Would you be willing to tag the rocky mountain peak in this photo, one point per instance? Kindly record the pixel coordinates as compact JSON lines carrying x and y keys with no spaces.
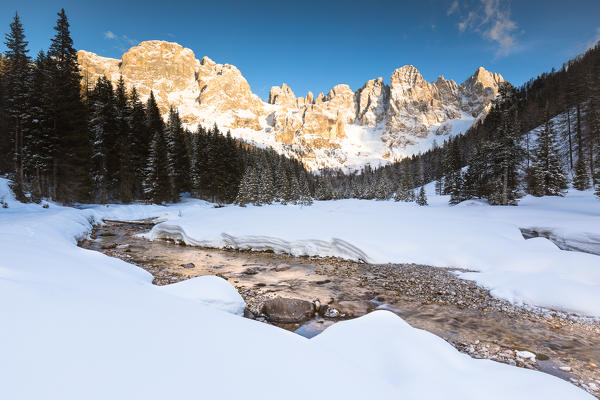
{"x":408,"y":76}
{"x":389,"y":119}
{"x":283,"y":96}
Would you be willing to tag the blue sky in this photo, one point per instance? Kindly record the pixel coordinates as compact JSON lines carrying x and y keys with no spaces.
{"x":313,"y":45}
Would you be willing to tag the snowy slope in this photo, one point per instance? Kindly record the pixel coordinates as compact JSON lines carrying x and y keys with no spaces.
{"x":78,"y":324}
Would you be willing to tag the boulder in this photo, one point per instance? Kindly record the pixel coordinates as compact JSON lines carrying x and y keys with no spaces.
{"x":281,"y":309}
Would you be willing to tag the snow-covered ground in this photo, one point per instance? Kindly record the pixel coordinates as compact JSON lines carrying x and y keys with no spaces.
{"x":471,"y":235}
{"x":78,"y":324}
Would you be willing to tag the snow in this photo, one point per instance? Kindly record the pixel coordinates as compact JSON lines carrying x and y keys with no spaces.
{"x":209,"y":290}
{"x":525,"y":354}
{"x":471,"y":235}
{"x":79,"y":324}
{"x":438,"y":133}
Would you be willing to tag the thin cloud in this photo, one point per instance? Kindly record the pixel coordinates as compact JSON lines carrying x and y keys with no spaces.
{"x":121,"y":42}
{"x":492,"y":22}
{"x":453,"y":8}
{"x":129,"y":40}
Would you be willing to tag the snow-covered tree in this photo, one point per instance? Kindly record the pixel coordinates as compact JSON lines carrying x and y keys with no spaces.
{"x":549,"y":178}
{"x":421,"y":197}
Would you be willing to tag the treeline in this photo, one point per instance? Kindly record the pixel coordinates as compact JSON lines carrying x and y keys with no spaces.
{"x":103,"y":144}
{"x":499,"y":159}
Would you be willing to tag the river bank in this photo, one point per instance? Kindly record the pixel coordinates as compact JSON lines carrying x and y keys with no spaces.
{"x":434,"y":299}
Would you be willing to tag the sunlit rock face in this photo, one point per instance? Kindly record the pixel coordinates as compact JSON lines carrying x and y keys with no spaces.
{"x":343,"y":127}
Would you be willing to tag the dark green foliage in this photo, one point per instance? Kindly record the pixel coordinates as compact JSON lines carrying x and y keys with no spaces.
{"x":547,"y":175}
{"x":421,"y":197}
{"x":71,"y":179}
{"x":17,"y":91}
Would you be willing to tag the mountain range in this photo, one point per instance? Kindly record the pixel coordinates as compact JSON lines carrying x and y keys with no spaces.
{"x":344,"y":129}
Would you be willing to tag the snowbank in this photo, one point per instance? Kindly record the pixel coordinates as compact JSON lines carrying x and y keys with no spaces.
{"x":79,"y":324}
{"x":471,"y":235}
{"x":211,"y":291}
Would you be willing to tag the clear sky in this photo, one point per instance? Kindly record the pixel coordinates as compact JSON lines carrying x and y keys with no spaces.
{"x":313,"y":45}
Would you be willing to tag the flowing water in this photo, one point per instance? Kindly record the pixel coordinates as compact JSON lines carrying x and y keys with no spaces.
{"x":429,"y":298}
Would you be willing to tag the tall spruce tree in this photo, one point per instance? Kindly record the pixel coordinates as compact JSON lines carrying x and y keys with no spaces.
{"x":506,"y":151}
{"x":104,"y":131}
{"x":548,"y":174}
{"x":125,"y":143}
{"x":179,"y":162}
{"x":17,"y":81}
{"x":37,"y":144}
{"x":5,"y":137}
{"x":158,"y":179}
{"x":421,"y":197}
{"x":71,"y":178}
{"x":141,"y":137}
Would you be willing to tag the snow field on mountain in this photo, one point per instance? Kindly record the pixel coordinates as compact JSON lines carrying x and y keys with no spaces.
{"x":471,"y":235}
{"x":79,"y":324}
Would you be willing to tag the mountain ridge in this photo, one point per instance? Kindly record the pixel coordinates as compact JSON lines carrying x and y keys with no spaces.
{"x":374,"y":124}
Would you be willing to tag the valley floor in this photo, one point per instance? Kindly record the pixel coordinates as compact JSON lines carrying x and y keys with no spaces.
{"x":80,"y":324}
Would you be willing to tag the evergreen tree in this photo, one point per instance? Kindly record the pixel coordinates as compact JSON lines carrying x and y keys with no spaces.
{"x":158,"y":178}
{"x":581,"y":178}
{"x":125,"y":141}
{"x":249,"y":189}
{"x":5,"y":137}
{"x":17,"y":81}
{"x":305,"y":198}
{"x":282,"y":186}
{"x":506,"y":152}
{"x":71,"y":179}
{"x":421,"y":197}
{"x":38,"y":145}
{"x":141,"y":137}
{"x":103,"y":127}
{"x":179,"y":161}
{"x":548,"y":174}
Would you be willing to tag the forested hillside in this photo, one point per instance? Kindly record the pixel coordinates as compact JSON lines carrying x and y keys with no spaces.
{"x":537,"y":139}
{"x":103,"y":144}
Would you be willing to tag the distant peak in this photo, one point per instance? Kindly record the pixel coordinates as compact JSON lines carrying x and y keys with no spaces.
{"x":486,"y":77}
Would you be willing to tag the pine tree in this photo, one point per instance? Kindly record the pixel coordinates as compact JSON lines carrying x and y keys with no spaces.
{"x":505,"y":151}
{"x":71,"y":178}
{"x":548,"y":174}
{"x":37,"y":144}
{"x":266,"y":187}
{"x":5,"y":136}
{"x":383,"y":189}
{"x":282,"y":186}
{"x":104,"y":130}
{"x":179,"y":162}
{"x":158,"y":179}
{"x":421,"y":197}
{"x":245,"y":191}
{"x":125,"y":141}
{"x":581,"y":178}
{"x":452,"y":177}
{"x":17,"y":81}
{"x":141,"y":137}
{"x":323,"y":190}
{"x":200,"y":163}
{"x":305,"y":198}
{"x":293,"y":194}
